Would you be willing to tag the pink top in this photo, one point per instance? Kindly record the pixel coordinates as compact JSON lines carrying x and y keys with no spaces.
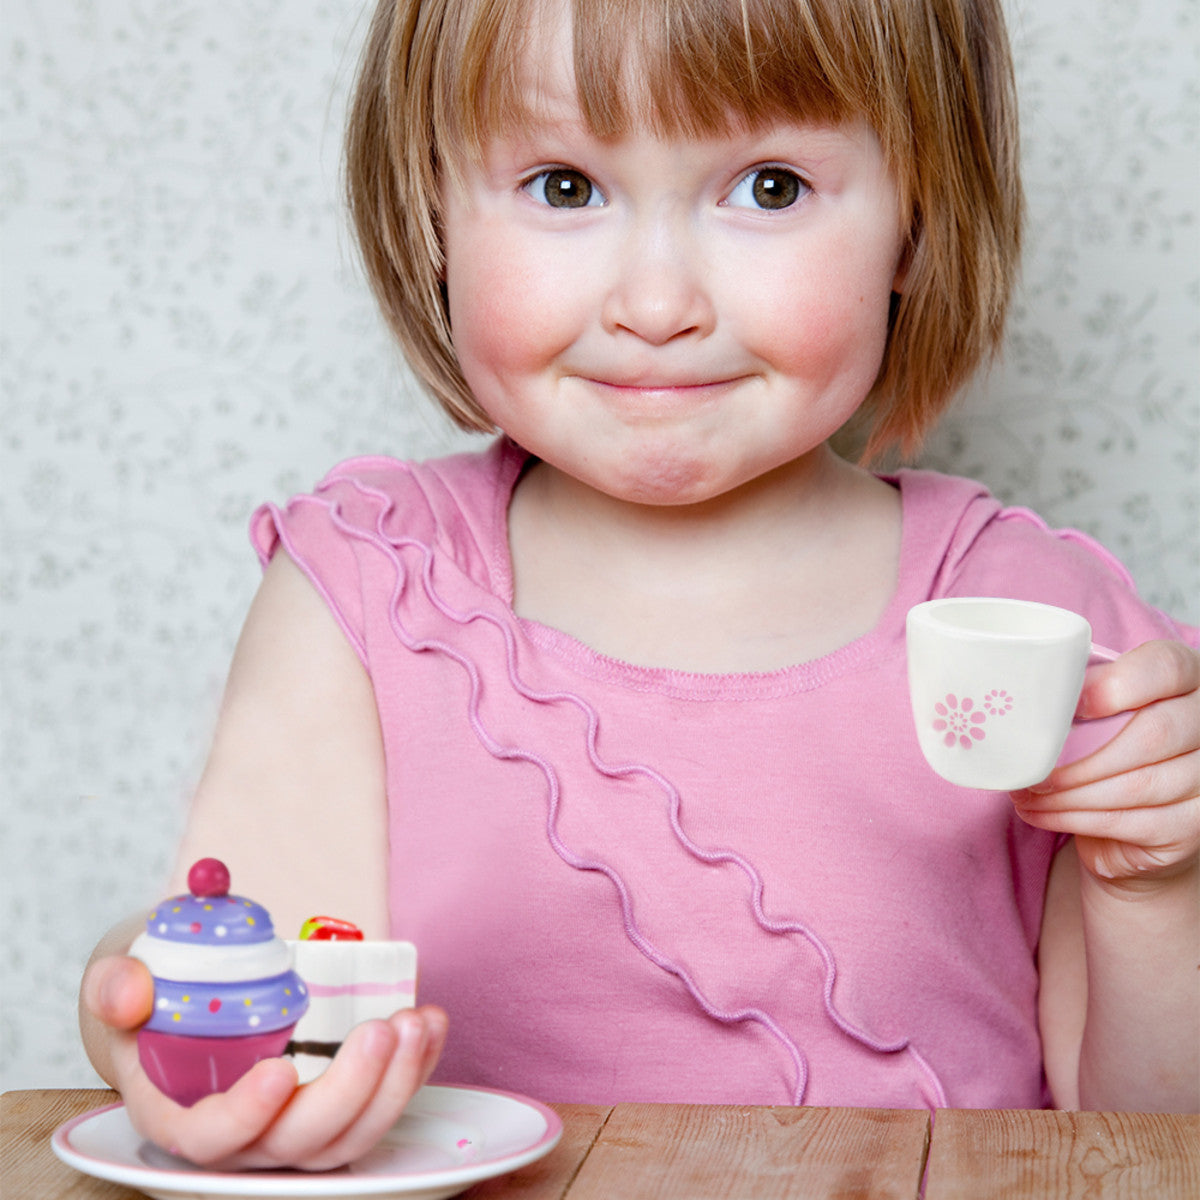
{"x":642,"y":884}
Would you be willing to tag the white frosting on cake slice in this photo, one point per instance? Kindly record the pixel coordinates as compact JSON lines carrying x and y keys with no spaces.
{"x":348,"y":982}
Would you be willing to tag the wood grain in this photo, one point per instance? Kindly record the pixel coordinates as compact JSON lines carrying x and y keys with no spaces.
{"x":1024,"y":1155}
{"x":649,"y":1151}
{"x":29,"y":1169}
{"x":551,"y":1177}
{"x":694,"y":1152}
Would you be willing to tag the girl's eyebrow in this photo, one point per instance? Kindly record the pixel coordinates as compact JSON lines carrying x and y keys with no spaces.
{"x":539,"y":136}
{"x":535,"y":144}
{"x":546,"y":137}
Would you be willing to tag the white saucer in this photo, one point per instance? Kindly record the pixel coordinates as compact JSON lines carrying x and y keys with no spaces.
{"x":449,"y":1138}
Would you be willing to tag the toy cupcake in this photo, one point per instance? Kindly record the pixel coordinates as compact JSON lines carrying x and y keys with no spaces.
{"x":225,"y":994}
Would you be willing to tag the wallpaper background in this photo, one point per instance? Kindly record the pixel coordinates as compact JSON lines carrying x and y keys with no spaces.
{"x":185,"y":334}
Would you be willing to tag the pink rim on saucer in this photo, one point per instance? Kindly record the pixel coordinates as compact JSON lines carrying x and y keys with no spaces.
{"x":440,"y":1104}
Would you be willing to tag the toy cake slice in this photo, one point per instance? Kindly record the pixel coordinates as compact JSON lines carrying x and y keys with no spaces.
{"x":349,"y":980}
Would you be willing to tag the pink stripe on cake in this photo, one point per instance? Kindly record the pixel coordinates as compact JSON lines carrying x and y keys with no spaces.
{"x":321,"y":991}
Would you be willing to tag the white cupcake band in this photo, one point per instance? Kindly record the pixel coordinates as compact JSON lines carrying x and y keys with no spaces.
{"x":208,"y":963}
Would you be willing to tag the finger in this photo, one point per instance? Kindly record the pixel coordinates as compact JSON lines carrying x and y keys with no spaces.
{"x":1124,"y":863}
{"x":1152,"y":671}
{"x":321,"y":1112}
{"x":419,"y":1038}
{"x":439,"y":1027}
{"x":119,"y":991}
{"x":217,"y":1128}
{"x":1157,"y":733}
{"x":1168,"y":834}
{"x":1168,"y":825}
{"x":1154,"y":786}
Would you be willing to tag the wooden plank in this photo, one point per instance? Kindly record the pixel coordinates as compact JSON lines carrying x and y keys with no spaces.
{"x":28,"y":1167}
{"x":1032,"y":1155}
{"x":719,"y":1152}
{"x":550,"y":1178}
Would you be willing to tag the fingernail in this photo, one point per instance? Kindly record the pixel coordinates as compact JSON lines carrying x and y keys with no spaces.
{"x":375,"y":1040}
{"x":412,"y":1035}
{"x":108,"y":991}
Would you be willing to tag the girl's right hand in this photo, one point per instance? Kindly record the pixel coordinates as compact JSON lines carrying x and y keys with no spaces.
{"x":265,"y":1119}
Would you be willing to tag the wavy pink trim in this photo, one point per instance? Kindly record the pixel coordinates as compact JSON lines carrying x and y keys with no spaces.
{"x":390,"y":547}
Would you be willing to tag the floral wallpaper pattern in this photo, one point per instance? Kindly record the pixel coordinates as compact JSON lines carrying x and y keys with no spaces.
{"x":184,"y":333}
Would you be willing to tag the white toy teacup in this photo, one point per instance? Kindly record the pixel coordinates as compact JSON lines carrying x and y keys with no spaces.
{"x":994,"y":684}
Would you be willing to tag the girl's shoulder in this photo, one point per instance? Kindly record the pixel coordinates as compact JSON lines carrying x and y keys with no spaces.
{"x":467,"y":487}
{"x":456,"y":504}
{"x":982,"y":547}
{"x":354,"y":532}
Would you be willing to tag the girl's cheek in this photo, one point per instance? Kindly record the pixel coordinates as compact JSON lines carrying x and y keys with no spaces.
{"x":507,"y":310}
{"x":821,"y":316}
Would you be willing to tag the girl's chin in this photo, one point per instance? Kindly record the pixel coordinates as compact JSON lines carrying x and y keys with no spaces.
{"x":672,"y":478}
{"x":666,"y":482}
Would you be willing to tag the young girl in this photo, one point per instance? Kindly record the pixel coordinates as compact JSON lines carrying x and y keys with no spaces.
{"x":611,"y":719}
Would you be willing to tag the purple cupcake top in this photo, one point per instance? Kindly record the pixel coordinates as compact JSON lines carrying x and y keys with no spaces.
{"x":207,"y":915}
{"x":219,"y":970}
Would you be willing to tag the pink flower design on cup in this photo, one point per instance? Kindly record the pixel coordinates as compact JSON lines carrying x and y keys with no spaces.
{"x":959,"y":721}
{"x":997,"y":702}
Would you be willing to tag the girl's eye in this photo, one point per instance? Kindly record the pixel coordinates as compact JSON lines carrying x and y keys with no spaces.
{"x":770,"y":188}
{"x":564,"y":188}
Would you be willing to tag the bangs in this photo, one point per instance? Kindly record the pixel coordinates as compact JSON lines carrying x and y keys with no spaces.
{"x":677,"y":67}
{"x":932,"y":78}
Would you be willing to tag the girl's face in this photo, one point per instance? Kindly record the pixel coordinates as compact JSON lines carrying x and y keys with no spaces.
{"x":667,"y":320}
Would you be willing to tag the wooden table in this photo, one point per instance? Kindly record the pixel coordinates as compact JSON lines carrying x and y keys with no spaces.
{"x":684,"y":1152}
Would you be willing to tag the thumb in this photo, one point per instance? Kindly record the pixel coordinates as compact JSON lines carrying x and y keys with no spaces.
{"x":119,"y":991}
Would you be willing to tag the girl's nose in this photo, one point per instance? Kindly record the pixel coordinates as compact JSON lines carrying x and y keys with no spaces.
{"x":659,"y":290}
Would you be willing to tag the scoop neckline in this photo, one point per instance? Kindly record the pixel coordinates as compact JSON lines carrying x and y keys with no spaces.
{"x":884,"y":640}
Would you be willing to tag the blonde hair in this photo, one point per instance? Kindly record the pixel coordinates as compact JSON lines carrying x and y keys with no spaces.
{"x":933,"y":78}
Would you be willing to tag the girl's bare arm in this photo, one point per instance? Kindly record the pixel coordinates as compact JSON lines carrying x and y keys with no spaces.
{"x":1120,"y":949}
{"x":293,"y":799}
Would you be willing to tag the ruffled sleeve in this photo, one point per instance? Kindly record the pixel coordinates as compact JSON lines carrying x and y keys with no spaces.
{"x":347,"y":534}
{"x":974,"y":546}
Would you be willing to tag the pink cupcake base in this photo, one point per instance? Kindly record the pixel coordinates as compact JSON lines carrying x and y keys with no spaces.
{"x":189,"y":1068}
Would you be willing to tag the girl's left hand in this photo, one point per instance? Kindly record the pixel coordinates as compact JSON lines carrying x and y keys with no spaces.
{"x":1133,"y":805}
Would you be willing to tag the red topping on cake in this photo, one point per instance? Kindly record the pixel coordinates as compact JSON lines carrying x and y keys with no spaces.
{"x":329,"y":929}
